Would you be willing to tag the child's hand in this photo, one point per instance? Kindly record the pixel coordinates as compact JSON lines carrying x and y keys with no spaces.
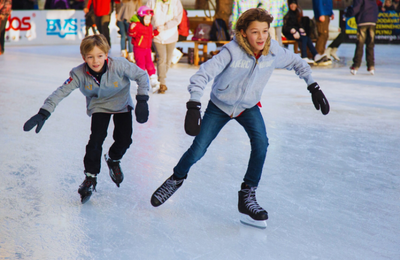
{"x":318,"y":98}
{"x":302,"y":32}
{"x":193,"y":118}
{"x":142,"y":109}
{"x":38,"y":120}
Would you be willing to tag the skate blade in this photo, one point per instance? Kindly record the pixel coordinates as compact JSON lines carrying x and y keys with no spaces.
{"x":247,"y":220}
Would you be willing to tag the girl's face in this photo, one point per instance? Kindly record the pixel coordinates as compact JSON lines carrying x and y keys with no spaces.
{"x":293,"y":6}
{"x":257,"y":35}
{"x":147,"y":20}
{"x":95,"y":59}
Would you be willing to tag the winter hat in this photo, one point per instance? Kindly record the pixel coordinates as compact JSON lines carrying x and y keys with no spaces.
{"x":292,"y":2}
{"x":144,"y":10}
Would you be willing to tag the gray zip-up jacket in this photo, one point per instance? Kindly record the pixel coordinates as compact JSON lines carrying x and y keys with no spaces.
{"x":111,"y":96}
{"x":239,"y":79}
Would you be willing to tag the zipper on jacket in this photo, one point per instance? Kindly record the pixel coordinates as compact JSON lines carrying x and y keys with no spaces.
{"x":252,"y":71}
{"x":140,"y":41}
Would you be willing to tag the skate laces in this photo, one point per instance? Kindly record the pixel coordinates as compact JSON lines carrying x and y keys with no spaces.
{"x":89,"y":182}
{"x":250,"y":200}
{"x":114,"y":165}
{"x":167,"y":189}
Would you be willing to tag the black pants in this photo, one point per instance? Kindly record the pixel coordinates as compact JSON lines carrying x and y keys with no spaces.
{"x":102,"y":23}
{"x":2,"y":33}
{"x":122,"y":139}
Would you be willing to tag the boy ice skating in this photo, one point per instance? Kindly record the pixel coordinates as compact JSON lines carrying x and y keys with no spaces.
{"x":142,"y":35}
{"x":105,"y":82}
{"x":240,"y":72}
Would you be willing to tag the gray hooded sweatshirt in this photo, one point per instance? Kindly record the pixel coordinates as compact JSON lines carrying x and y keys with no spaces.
{"x":113,"y":93}
{"x":239,"y":78}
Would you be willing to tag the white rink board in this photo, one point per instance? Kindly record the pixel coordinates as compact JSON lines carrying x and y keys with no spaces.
{"x":40,"y":27}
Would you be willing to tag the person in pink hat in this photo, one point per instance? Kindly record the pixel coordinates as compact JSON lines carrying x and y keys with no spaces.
{"x":142,"y":34}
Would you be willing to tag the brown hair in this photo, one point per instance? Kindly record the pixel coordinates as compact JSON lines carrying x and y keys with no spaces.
{"x":89,"y":42}
{"x":251,"y":15}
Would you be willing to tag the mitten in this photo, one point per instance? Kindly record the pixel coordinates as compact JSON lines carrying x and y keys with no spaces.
{"x":318,"y":98}
{"x":142,"y":108}
{"x":193,"y":118}
{"x":38,"y":120}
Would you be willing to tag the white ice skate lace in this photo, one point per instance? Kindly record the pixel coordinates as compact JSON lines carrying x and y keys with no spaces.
{"x":167,"y":189}
{"x":251,"y":202}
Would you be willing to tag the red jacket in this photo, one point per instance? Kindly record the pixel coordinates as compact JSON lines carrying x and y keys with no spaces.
{"x":142,"y":36}
{"x":183,"y":27}
{"x":100,"y":7}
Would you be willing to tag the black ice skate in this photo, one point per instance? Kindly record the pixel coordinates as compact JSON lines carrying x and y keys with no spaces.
{"x":87,"y":187}
{"x":252,"y":213}
{"x":115,"y":170}
{"x":165,"y":191}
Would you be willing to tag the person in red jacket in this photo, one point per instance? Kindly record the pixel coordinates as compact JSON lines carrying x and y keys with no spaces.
{"x":102,"y":10}
{"x":183,"y":27}
{"x":142,"y":35}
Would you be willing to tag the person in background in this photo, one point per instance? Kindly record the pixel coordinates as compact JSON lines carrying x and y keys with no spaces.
{"x":90,"y":20}
{"x":278,"y":9}
{"x":183,"y":27}
{"x":323,"y":12}
{"x":167,"y":17}
{"x":23,"y":4}
{"x":141,"y":33}
{"x":366,"y":14}
{"x":106,"y":83}
{"x":5,"y":11}
{"x":241,"y":6}
{"x":102,"y":10}
{"x":388,"y":6}
{"x":293,"y":29}
{"x":396,"y":5}
{"x":127,"y":9}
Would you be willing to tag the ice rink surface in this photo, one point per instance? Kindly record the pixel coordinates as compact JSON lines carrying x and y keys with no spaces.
{"x":331,"y":184}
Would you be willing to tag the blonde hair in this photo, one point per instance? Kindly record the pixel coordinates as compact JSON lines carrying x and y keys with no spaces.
{"x":89,"y":42}
{"x":251,"y":15}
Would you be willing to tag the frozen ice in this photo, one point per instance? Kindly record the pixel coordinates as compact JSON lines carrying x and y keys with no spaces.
{"x":331,"y":184}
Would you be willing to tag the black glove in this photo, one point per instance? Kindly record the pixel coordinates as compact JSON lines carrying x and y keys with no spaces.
{"x":142,"y":108}
{"x":193,"y":118}
{"x":38,"y":120}
{"x":318,"y":98}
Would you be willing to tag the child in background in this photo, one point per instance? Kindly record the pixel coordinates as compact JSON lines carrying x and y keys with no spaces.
{"x":105,"y":82}
{"x":142,"y":35}
{"x":240,"y":72}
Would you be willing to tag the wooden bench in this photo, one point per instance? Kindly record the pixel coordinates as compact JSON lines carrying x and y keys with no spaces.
{"x":203,"y":45}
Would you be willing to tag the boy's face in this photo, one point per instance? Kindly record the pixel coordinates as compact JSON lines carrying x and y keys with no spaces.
{"x":147,"y":20}
{"x":95,"y":59}
{"x":257,"y":35}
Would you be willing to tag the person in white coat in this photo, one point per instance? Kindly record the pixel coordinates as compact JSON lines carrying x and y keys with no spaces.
{"x":167,"y":17}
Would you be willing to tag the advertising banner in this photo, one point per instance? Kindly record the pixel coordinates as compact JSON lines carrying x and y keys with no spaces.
{"x":387,"y":28}
{"x":40,"y":27}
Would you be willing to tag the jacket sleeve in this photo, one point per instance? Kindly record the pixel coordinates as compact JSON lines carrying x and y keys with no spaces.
{"x":207,"y":72}
{"x":286,"y":59}
{"x":62,"y":92}
{"x":133,"y":72}
{"x":354,"y":9}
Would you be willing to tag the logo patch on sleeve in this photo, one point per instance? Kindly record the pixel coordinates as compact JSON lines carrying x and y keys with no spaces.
{"x":69,"y":80}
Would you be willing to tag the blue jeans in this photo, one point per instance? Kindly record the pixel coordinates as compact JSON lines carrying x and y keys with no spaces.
{"x":123,"y":29}
{"x":307,"y":43}
{"x":213,"y":121}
